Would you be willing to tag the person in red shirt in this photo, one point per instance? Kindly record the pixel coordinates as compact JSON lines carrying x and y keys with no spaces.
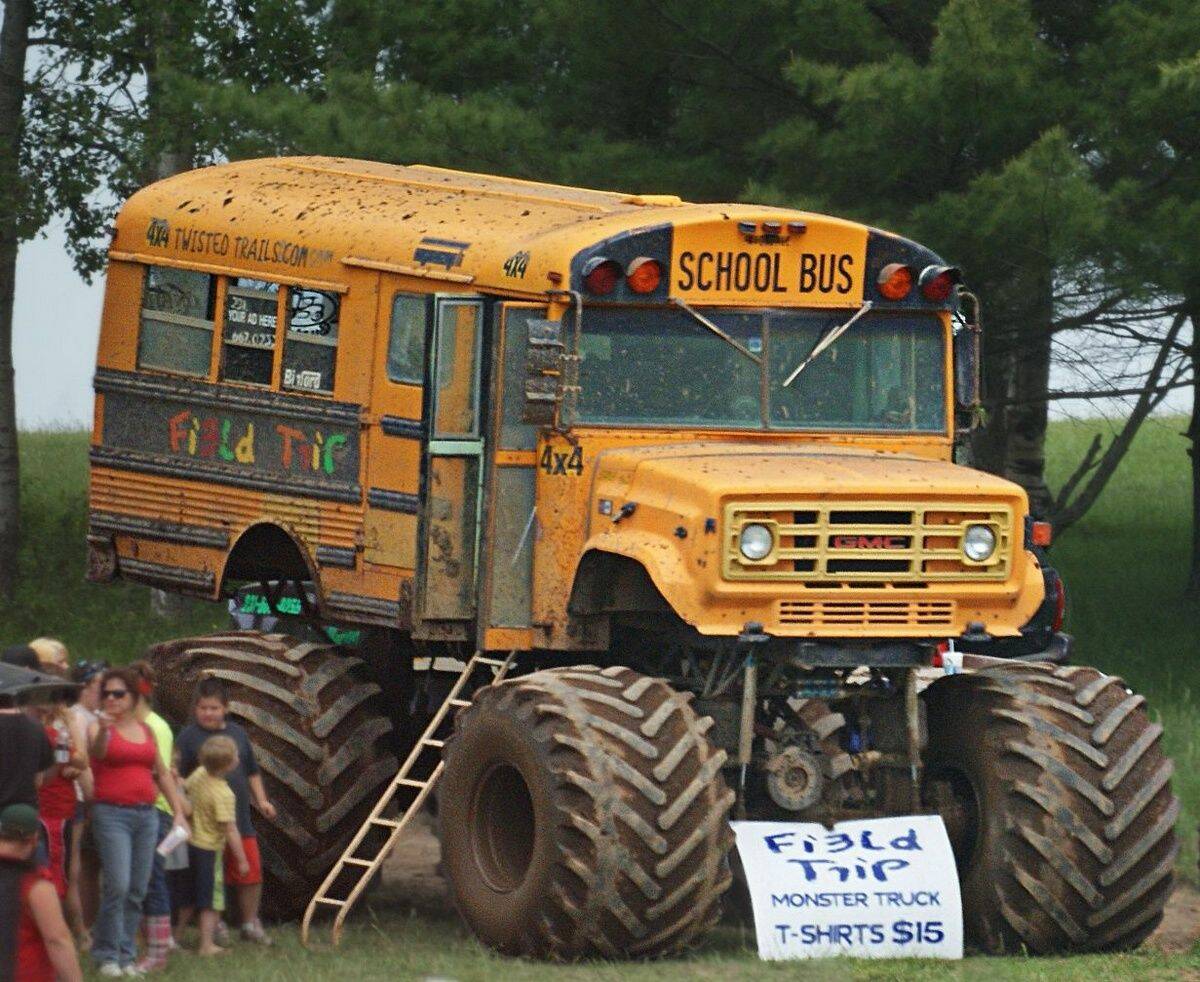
{"x":35,"y":943}
{"x":56,"y":795}
{"x":126,"y":770}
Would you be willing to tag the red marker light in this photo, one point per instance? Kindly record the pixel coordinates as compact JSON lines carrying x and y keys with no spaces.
{"x":937,"y":282}
{"x":1041,"y":533}
{"x":600,"y":275}
{"x":895,"y":281}
{"x":1060,"y":605}
{"x":643,"y":275}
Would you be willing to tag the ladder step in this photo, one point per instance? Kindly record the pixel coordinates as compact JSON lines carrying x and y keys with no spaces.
{"x":426,"y":742}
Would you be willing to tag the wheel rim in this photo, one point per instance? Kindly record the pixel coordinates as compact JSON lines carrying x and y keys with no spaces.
{"x":502,"y":828}
{"x":951,"y":793}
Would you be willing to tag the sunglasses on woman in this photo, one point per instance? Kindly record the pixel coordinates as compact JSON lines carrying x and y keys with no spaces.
{"x":115,"y":693}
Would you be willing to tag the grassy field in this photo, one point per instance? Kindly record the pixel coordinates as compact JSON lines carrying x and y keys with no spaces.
{"x":1124,"y":566}
{"x":389,"y":945}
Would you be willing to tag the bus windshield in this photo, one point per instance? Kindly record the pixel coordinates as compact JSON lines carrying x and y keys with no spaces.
{"x":646,"y":367}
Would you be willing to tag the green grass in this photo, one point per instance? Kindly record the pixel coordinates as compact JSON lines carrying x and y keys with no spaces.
{"x":392,"y":942}
{"x":1124,"y":566}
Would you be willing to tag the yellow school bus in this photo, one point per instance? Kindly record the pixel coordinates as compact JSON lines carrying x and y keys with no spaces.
{"x":707,"y":449}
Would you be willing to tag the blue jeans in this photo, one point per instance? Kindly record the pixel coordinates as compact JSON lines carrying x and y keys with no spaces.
{"x":158,"y":897}
{"x":125,"y":839}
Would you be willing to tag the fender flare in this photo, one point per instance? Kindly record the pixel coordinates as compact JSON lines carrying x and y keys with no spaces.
{"x":655,"y":554}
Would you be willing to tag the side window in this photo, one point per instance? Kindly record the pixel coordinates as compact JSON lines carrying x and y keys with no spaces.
{"x":310,"y":344}
{"x":177,"y":321}
{"x":406,"y":340}
{"x":249,"y":334}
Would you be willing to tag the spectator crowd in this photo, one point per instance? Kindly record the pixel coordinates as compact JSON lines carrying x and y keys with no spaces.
{"x":117,"y":835}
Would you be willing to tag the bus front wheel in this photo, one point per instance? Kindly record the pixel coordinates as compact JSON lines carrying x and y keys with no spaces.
{"x":582,"y":813}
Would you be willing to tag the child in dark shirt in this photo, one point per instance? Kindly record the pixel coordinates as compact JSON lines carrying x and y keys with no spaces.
{"x":211,"y":702}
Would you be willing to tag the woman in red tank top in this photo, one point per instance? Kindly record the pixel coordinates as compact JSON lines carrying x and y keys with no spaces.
{"x":128,"y":775}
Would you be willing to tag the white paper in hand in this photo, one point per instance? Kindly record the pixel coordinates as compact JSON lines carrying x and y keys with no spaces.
{"x":879,"y":888}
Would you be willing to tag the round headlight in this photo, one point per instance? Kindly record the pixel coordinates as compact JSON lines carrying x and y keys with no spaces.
{"x":979,"y":542}
{"x":756,"y":542}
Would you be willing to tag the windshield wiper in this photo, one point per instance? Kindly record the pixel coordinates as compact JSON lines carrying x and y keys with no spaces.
{"x":705,"y":322}
{"x":826,"y":341}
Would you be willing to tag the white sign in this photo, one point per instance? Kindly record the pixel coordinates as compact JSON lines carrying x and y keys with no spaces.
{"x":879,"y":888}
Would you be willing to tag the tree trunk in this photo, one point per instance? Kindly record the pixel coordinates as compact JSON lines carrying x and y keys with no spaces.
{"x":1193,"y":581}
{"x":1016,"y":363}
{"x":14,"y":43}
{"x":169,"y":149}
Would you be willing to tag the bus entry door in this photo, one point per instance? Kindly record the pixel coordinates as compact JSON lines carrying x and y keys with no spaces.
{"x":450,"y":510}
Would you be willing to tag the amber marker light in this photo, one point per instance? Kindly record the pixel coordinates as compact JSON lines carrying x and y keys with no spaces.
{"x":643,"y":275}
{"x":1041,"y":533}
{"x":600,"y":275}
{"x":895,"y":281}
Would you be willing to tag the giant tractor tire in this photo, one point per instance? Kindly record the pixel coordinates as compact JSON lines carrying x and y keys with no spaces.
{"x":1057,"y":798}
{"x":582,"y":813}
{"x":321,"y":735}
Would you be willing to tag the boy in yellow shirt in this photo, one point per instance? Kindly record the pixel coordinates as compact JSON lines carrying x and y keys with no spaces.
{"x":214,"y":826}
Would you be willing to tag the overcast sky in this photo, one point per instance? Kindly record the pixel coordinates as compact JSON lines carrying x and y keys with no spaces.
{"x":57,"y":321}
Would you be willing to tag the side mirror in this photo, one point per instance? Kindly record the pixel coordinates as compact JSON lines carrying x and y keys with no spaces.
{"x":966,"y":367}
{"x":967,"y":360}
{"x":543,"y":371}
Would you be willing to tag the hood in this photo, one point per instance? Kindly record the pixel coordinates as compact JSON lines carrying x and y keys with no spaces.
{"x":816,"y":469}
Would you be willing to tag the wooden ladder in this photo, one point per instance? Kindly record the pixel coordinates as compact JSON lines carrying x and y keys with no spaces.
{"x":358,"y":868}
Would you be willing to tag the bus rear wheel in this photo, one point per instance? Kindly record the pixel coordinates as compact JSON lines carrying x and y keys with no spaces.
{"x":1057,"y":798}
{"x":320,"y":734}
{"x":582,"y":813}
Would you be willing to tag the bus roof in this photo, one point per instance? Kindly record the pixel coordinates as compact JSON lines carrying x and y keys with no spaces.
{"x":297,"y":218}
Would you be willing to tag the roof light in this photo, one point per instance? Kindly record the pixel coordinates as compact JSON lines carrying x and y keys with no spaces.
{"x":772,"y":228}
{"x":895,"y":281}
{"x":600,"y":275}
{"x":937,"y":282}
{"x":796,"y":228}
{"x":747,"y":228}
{"x":643,"y":274}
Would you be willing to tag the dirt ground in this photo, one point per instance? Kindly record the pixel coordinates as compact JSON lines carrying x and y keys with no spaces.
{"x":411,"y":873}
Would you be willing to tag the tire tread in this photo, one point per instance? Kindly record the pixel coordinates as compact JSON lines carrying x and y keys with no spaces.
{"x":1082,"y":820}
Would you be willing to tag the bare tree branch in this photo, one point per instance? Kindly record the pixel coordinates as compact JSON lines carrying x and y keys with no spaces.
{"x":1067,"y":512}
